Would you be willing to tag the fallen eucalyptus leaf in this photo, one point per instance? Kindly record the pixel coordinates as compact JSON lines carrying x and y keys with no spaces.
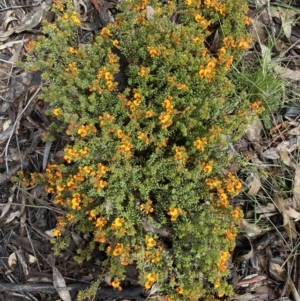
{"x":254,"y":129}
{"x":296,"y":189}
{"x":285,"y":208}
{"x":12,"y":262}
{"x":284,"y":155}
{"x":255,"y":185}
{"x":60,"y":285}
{"x":30,"y":22}
{"x":271,"y":153}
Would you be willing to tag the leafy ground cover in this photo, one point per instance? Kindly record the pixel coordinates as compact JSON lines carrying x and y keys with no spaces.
{"x":145,"y":224}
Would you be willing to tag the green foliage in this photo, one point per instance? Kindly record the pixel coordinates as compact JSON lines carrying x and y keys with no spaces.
{"x":144,"y":169}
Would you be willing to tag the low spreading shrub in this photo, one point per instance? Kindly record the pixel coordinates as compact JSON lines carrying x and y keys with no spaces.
{"x":149,"y":112}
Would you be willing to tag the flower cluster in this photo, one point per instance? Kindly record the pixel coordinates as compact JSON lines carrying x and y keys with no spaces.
{"x":256,"y":107}
{"x":73,"y":17}
{"x":72,"y":68}
{"x":207,"y":70}
{"x":151,"y":278}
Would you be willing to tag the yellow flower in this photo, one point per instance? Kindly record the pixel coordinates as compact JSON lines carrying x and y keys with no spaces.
{"x":140,"y":135}
{"x":170,"y":79}
{"x":153,"y":51}
{"x":148,"y":285}
{"x":199,"y":144}
{"x":73,"y":50}
{"x":207,"y":168}
{"x":126,"y":147}
{"x":115,"y":43}
{"x":174,"y":213}
{"x":149,"y":114}
{"x":164,"y":117}
{"x":60,"y":188}
{"x":108,"y":76}
{"x":143,"y":71}
{"x":150,"y":242}
{"x":82,"y":131}
{"x":56,"y":232}
{"x":57,"y":112}
{"x":243,"y":45}
{"x":102,"y":169}
{"x":117,"y":223}
{"x":118,"y":249}
{"x":151,"y":277}
{"x":115,"y":283}
{"x":180,"y":290}
{"x":182,"y":87}
{"x":83,"y":151}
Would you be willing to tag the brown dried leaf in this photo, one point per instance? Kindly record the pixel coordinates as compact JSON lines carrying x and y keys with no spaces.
{"x":296,"y":196}
{"x":287,"y":145}
{"x":287,"y":73}
{"x":284,"y":155}
{"x":251,"y":279}
{"x":288,"y":215}
{"x":293,"y":289}
{"x":95,"y":3}
{"x":295,"y":131}
{"x":277,"y":271}
{"x":283,"y":206}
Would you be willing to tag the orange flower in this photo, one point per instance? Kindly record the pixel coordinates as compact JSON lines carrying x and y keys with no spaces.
{"x":105,"y":32}
{"x":100,"y":222}
{"x":236,"y":213}
{"x":247,"y":20}
{"x":147,"y":208}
